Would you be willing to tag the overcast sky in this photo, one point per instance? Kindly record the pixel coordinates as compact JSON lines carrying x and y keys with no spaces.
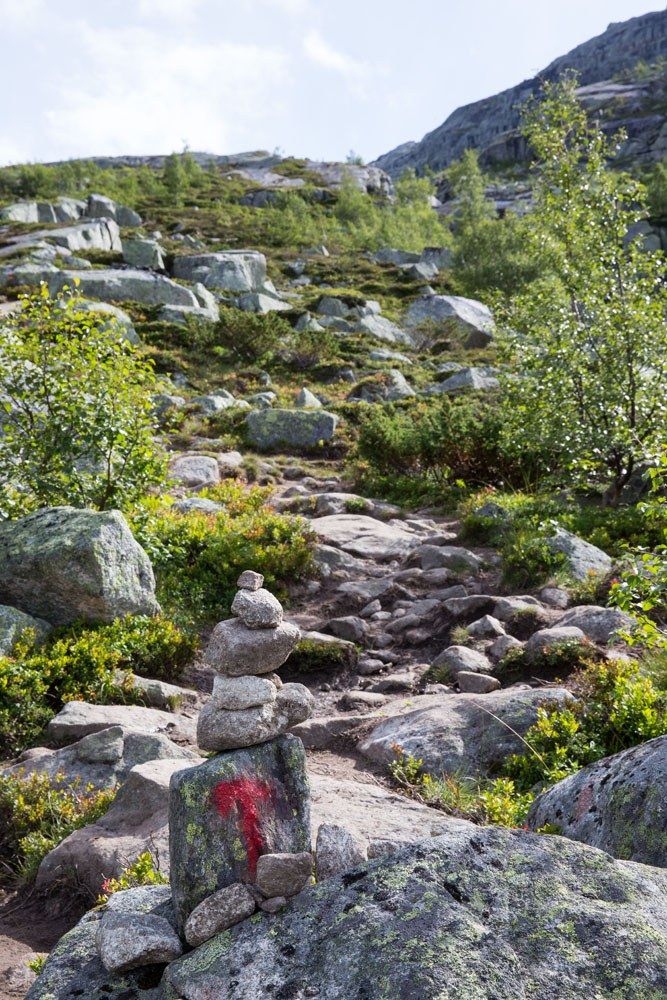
{"x":313,"y":78}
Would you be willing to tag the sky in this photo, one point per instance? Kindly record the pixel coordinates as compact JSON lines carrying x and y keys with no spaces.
{"x":315,"y":78}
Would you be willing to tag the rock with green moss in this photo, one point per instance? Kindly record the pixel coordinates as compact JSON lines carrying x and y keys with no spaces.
{"x":478,"y":914}
{"x":618,"y":804}
{"x":67,"y":565}
{"x":230,"y":810}
{"x":291,"y":429}
{"x":74,"y":969}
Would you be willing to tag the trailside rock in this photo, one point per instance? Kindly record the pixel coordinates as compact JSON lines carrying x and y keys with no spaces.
{"x":219,"y":911}
{"x":283,"y":874}
{"x":232,"y":270}
{"x":618,"y":804}
{"x":230,"y":810}
{"x":458,"y":734}
{"x":582,"y":558}
{"x":298,"y":429}
{"x":365,"y":536}
{"x":74,"y":969}
{"x":69,"y":565}
{"x":597,"y":624}
{"x":14,"y":623}
{"x":129,"y":940}
{"x":257,"y":608}
{"x":336,"y":851}
{"x":548,"y":638}
{"x":480,"y":914}
{"x":454,"y":659}
{"x":80,"y":718}
{"x":466,"y":317}
{"x":234,"y":649}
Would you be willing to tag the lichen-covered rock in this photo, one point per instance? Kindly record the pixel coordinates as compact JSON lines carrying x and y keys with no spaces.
{"x":74,"y":969}
{"x":234,"y":649}
{"x":480,"y":914}
{"x":297,"y":429}
{"x":582,"y":558}
{"x":65,"y":565}
{"x":231,"y":809}
{"x":336,"y":851}
{"x":14,"y":623}
{"x":216,"y":913}
{"x":618,"y":804}
{"x":257,"y":608}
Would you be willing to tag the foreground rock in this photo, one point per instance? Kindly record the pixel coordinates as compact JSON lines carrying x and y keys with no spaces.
{"x":618,"y":804}
{"x":291,"y":429}
{"x":136,"y":821}
{"x":459,"y":734}
{"x":67,"y":565}
{"x":486,"y":914}
{"x":228,"y":811}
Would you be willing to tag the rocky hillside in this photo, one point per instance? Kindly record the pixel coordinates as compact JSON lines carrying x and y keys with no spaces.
{"x":491,"y":125}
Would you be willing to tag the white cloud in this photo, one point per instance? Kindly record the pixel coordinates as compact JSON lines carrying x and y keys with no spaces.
{"x":20,"y":11}
{"x":173,"y":10}
{"x":140,"y":92}
{"x":319,"y":51}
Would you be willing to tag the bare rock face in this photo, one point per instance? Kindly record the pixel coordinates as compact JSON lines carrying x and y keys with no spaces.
{"x":226,"y":813}
{"x":67,"y":565}
{"x":618,"y":804}
{"x":478,"y":913}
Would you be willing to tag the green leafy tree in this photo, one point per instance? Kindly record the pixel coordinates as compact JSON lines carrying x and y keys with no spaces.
{"x":588,"y":340}
{"x":174,"y":177}
{"x":75,"y":410}
{"x":489,"y":253}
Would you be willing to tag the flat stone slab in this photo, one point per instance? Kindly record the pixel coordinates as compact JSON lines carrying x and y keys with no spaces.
{"x":228,"y":811}
{"x":80,"y":718}
{"x":365,"y":536}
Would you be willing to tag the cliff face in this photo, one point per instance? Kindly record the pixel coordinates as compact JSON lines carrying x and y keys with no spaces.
{"x":490,"y":125}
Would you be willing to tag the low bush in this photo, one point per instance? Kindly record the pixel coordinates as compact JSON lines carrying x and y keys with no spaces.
{"x":142,"y":871}
{"x":82,"y":663}
{"x":198,"y":557}
{"x":309,"y":657}
{"x":616,"y":708}
{"x":251,"y":336}
{"x":37,"y":812}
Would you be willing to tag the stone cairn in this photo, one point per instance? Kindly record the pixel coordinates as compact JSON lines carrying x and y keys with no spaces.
{"x":239,"y":823}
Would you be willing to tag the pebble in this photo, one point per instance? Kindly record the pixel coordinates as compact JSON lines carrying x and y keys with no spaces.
{"x":283,"y":874}
{"x":216,"y":913}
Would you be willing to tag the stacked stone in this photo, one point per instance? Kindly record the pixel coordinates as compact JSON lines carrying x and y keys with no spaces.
{"x":250,"y":704}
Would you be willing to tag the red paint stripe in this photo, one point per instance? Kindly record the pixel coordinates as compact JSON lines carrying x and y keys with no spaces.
{"x":247,"y":796}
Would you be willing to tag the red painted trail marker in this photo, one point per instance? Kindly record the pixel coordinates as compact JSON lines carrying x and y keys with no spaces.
{"x":246,"y":795}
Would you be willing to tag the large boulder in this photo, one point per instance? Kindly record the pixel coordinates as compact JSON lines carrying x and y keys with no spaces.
{"x":82,"y":718}
{"x":115,"y":285}
{"x":462,"y":734}
{"x":228,"y":811}
{"x":74,"y":968}
{"x":598,"y":624}
{"x":232,"y":271}
{"x":488,"y":914}
{"x":581,"y":557}
{"x":467,"y":318}
{"x":290,"y":429}
{"x":618,"y":804}
{"x":101,"y":759}
{"x":136,"y":821}
{"x":98,"y":234}
{"x":365,"y":536}
{"x":66,"y":565}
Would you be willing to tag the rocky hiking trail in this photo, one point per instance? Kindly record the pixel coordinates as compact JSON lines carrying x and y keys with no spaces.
{"x":390,"y":587}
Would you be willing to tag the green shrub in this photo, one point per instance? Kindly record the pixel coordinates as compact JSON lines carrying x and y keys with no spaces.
{"x":251,"y":336}
{"x":82,"y":663}
{"x":310,"y":657}
{"x":617,"y":708}
{"x":37,"y":812}
{"x":60,"y":444}
{"x":142,"y":871}
{"x":198,"y":557}
{"x":496,"y":801}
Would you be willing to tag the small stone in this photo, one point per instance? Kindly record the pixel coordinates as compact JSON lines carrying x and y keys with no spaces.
{"x":351,"y":628}
{"x":361,"y":700}
{"x":257,"y":609}
{"x":371,"y":609}
{"x":129,"y":940}
{"x":548,"y":638}
{"x":234,"y":693}
{"x":283,"y":874}
{"x":216,"y":913}
{"x":368,"y":665}
{"x":486,"y":627}
{"x":249,"y":580}
{"x":502,"y":646}
{"x":336,"y":850}
{"x":274,"y":905}
{"x":470,"y":683}
{"x":234,"y":649}
{"x":458,"y":658}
